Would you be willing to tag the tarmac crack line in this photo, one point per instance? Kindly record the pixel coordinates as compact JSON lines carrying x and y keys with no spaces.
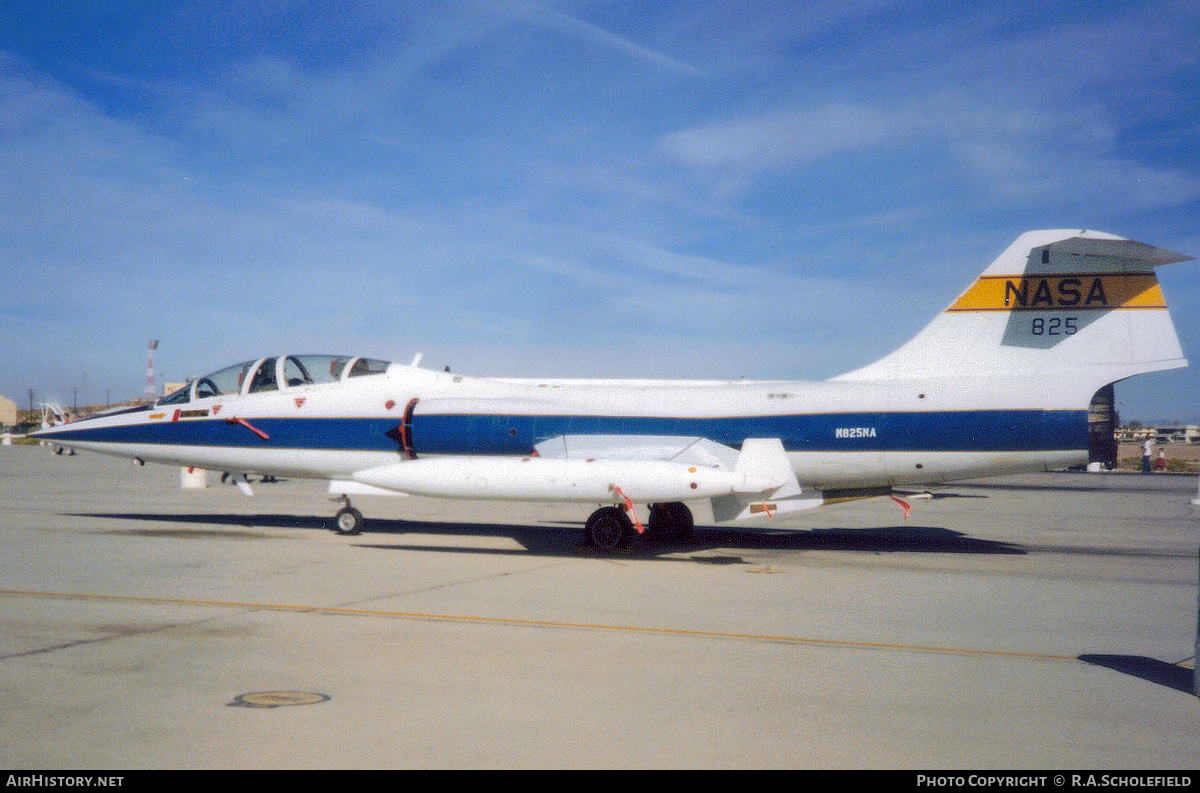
{"x":483,"y":620}
{"x":449,"y":585}
{"x":98,"y":639}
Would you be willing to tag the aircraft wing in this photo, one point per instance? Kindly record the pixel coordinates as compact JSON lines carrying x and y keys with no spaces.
{"x":676,"y":448}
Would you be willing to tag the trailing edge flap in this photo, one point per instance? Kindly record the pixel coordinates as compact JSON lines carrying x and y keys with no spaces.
{"x":764,"y":460}
{"x":675,"y":448}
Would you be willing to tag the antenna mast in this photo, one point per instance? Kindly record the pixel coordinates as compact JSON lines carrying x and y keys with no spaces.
{"x":151,"y":391}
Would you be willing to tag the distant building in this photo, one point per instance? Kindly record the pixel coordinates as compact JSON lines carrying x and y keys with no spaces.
{"x":1134,"y":434}
{"x":1188,"y":434}
{"x":1161,"y":435}
{"x":8,"y":412}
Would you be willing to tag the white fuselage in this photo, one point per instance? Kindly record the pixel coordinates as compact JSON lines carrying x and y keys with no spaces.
{"x":836,"y":434}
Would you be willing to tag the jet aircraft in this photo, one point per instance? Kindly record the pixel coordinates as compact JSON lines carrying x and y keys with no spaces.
{"x":1001,"y":381}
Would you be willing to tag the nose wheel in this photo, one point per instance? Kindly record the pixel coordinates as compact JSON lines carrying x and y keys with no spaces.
{"x":348,"y":520}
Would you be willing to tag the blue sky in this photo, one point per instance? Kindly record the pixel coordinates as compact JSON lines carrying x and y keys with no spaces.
{"x":687,"y":189}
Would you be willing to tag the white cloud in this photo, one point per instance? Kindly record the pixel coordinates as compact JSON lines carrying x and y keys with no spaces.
{"x":1069,"y":159}
{"x":1021,"y":152}
{"x":565,"y":24}
{"x":782,"y":139}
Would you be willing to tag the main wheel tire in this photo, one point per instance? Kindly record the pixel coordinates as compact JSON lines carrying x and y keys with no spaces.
{"x":658,"y":525}
{"x":348,"y":521}
{"x":685,"y":524}
{"x":609,"y":529}
{"x":671,"y":522}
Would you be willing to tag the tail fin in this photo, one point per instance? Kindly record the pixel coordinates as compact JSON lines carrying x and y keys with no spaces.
{"x":1082,"y":306}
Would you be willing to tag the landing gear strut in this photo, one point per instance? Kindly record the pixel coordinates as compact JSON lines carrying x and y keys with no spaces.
{"x":348,"y":520}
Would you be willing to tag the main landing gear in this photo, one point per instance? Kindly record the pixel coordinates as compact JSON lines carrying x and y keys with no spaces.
{"x":610,"y":528}
{"x":671,"y":522}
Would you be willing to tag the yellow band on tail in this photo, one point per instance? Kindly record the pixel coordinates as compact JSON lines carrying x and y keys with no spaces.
{"x":1086,"y":292}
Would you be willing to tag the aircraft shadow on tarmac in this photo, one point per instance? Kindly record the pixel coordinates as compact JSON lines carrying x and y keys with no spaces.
{"x":562,"y":539}
{"x":1149,"y":669}
{"x":940,"y":496}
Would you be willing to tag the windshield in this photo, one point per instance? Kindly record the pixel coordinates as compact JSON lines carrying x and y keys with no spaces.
{"x":175,"y":397}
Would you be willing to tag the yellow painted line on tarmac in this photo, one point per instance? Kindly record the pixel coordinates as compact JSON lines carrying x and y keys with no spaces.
{"x":462,"y":618}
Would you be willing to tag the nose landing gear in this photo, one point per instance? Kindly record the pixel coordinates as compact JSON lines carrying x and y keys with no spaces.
{"x":348,"y":520}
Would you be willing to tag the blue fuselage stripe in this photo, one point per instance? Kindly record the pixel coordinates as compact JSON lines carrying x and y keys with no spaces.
{"x":283,"y":433}
{"x":995,"y":430}
{"x":970,"y":430}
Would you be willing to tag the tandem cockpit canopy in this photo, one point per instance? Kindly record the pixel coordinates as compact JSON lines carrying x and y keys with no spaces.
{"x":276,"y":373}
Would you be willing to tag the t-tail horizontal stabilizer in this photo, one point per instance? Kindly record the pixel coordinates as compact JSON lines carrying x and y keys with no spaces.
{"x":1063,"y":310}
{"x":763,"y":462}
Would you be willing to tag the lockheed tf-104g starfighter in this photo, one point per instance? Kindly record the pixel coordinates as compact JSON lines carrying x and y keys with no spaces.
{"x":999,"y":382}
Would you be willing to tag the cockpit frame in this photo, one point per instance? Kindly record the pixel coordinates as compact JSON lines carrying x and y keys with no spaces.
{"x":276,"y":373}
